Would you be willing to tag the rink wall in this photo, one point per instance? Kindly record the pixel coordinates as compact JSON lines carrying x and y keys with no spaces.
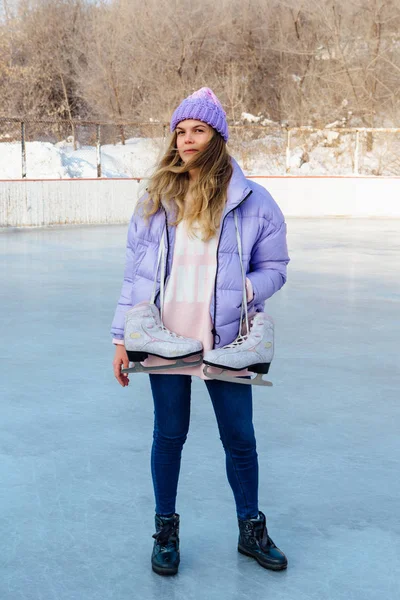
{"x":30,"y":203}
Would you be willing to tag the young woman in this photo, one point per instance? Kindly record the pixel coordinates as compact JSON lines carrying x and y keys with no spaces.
{"x":193,"y":197}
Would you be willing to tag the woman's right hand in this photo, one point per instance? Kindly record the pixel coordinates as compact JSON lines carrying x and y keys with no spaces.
{"x":121,"y":360}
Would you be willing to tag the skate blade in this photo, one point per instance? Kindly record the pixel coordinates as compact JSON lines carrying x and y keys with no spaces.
{"x":179,"y":364}
{"x":258,"y":380}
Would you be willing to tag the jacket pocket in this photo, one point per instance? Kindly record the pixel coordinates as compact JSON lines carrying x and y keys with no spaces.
{"x":249,"y":304}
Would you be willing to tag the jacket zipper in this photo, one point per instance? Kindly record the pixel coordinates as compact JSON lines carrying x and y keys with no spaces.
{"x":168,"y":245}
{"x":214,"y":331}
{"x":166,"y":229}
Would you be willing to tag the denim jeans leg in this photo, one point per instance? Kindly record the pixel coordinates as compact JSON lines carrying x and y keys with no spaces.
{"x":233,"y":407}
{"x":171,"y":395}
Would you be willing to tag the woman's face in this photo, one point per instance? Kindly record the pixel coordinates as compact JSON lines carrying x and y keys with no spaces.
{"x":192,"y":137}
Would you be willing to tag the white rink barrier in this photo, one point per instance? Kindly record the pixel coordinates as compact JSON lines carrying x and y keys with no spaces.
{"x":30,"y":203}
{"x":335,"y":196}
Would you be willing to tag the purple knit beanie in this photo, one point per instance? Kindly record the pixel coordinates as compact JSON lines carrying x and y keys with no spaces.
{"x":202,"y":105}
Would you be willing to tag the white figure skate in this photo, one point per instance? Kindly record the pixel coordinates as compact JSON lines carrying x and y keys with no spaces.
{"x":253,"y":349}
{"x":145,"y":333}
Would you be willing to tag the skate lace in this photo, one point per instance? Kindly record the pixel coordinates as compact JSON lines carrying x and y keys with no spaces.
{"x":250,"y":330}
{"x":242,"y":338}
{"x":244,"y":316}
{"x":161,"y":266}
{"x":175,"y":335}
{"x":162,"y":327}
{"x":238,"y":342}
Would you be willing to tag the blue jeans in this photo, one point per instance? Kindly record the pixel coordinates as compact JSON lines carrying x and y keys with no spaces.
{"x":233,"y":409}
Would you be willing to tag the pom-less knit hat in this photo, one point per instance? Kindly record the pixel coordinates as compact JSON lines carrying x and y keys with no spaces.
{"x":202,"y":105}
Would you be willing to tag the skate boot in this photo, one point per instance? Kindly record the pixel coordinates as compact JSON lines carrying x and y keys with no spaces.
{"x":165,"y":557}
{"x":252,"y":351}
{"x":254,"y":541}
{"x":146,"y":335}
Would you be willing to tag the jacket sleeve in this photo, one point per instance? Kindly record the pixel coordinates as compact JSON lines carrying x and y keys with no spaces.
{"x":125,"y":299}
{"x":268,"y":262}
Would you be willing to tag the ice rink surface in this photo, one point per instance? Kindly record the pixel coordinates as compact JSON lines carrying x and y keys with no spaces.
{"x":76,"y":501}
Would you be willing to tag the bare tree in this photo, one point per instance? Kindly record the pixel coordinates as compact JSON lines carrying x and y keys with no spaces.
{"x":294,"y":61}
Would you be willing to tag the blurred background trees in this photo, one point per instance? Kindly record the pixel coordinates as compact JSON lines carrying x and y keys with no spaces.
{"x":299,"y":62}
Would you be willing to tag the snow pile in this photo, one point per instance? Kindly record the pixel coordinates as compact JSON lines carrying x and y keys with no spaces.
{"x":260,"y":120}
{"x":60,"y":161}
{"x":259,"y":151}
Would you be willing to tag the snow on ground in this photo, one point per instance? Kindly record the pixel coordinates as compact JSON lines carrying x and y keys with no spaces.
{"x":324,"y":152}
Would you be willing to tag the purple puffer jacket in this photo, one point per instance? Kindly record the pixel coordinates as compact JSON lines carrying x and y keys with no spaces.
{"x":263,"y":232}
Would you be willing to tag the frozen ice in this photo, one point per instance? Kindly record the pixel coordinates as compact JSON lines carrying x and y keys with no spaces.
{"x":76,"y":501}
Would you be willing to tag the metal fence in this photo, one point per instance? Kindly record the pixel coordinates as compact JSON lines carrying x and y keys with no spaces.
{"x":44,"y":149}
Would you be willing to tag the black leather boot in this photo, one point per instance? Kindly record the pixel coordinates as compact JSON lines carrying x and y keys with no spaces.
{"x":254,"y":541}
{"x":165,"y":558}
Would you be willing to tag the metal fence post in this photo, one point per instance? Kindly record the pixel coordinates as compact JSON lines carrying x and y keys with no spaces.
{"x":356,"y":154}
{"x":98,"y":150}
{"x":288,"y":132}
{"x":23,"y":149}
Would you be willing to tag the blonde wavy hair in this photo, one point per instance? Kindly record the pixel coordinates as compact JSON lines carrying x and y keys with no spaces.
{"x":170,"y":183}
